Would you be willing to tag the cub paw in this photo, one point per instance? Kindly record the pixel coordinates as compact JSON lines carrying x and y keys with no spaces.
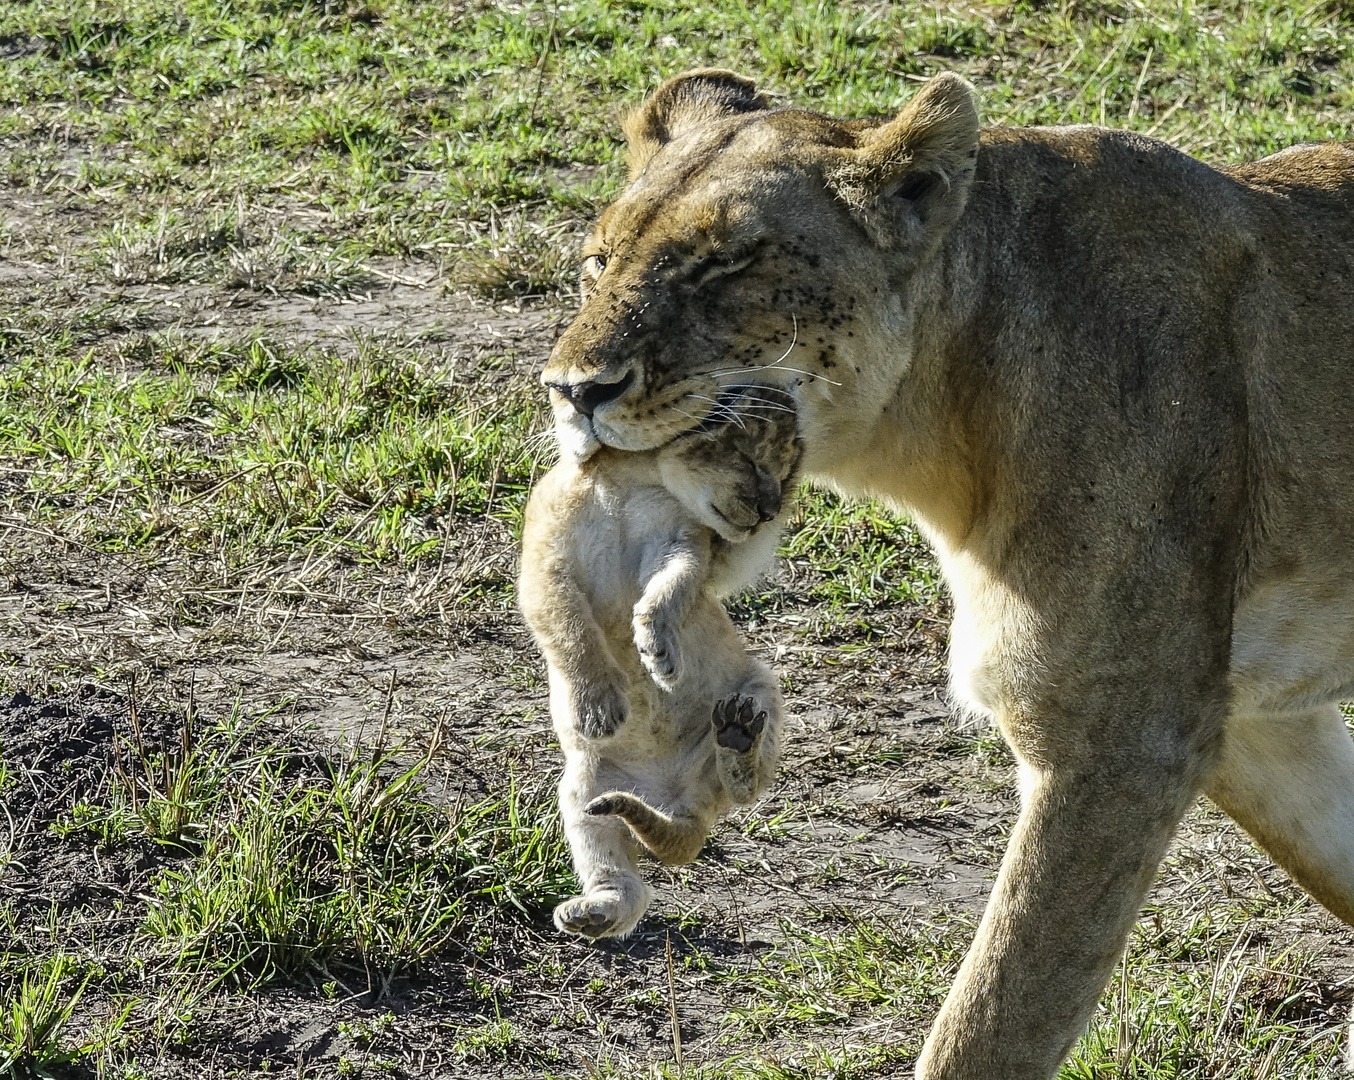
{"x":610,"y":911}
{"x":590,"y":916}
{"x":658,"y":651}
{"x":737,"y":723}
{"x":600,"y":712}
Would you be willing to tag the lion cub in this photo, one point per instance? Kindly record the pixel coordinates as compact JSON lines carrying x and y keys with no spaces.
{"x":664,"y":718}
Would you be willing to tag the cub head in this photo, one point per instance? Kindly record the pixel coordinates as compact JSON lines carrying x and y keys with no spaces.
{"x":734,"y":471}
{"x":757,"y":242}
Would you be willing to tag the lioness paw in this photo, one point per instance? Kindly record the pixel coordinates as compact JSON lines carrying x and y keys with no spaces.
{"x":600,"y":711}
{"x":737,"y":723}
{"x":658,"y":650}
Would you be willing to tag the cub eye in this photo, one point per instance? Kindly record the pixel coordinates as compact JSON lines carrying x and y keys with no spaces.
{"x":593,"y":266}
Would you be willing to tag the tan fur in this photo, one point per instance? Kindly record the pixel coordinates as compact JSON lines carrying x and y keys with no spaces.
{"x":1116,"y":388}
{"x":664,"y":718}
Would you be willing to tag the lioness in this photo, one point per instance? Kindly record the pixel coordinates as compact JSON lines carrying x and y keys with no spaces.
{"x":664,"y":718}
{"x":1114,"y":385}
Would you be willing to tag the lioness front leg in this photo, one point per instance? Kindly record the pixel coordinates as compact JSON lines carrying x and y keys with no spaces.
{"x":1080,"y":861}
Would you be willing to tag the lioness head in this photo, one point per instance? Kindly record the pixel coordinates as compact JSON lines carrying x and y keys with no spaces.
{"x":757,"y":243}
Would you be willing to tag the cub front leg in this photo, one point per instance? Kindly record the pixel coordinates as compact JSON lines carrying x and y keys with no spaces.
{"x":586,"y":683}
{"x":675,"y":572}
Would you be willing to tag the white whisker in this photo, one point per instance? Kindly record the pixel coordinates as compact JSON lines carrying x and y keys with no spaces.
{"x":756,"y":386}
{"x":778,"y":367}
{"x":778,"y":362}
{"x":720,"y":409}
{"x":771,"y":406}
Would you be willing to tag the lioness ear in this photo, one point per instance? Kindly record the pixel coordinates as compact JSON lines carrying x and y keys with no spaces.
{"x":683,"y":102}
{"x":907,"y":181}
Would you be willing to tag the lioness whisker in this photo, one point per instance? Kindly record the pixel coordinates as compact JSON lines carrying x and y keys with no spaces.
{"x":722,"y":410}
{"x":719,"y":374}
{"x":779,"y":367}
{"x":773,"y":406}
{"x":756,"y":386}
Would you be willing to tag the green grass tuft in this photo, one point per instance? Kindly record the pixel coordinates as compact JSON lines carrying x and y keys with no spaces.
{"x":354,"y":868}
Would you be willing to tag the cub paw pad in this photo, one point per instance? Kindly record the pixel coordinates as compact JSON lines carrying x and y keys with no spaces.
{"x":737,"y":723}
{"x":587,"y":917}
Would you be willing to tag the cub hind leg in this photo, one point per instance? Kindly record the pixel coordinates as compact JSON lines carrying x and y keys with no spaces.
{"x":1288,"y":780}
{"x":613,"y":897}
{"x":747,"y":737}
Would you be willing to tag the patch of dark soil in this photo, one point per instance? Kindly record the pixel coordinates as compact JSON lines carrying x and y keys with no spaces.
{"x":59,"y":756}
{"x":17,"y":46}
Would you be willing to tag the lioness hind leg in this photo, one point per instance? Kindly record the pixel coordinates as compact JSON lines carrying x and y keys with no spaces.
{"x":672,"y":839}
{"x":1288,"y":780}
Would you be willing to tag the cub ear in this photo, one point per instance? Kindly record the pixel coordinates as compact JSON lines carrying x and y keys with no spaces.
{"x":683,"y":102}
{"x":906,"y":181}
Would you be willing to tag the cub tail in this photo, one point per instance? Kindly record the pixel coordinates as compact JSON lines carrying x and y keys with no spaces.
{"x":671,"y":840}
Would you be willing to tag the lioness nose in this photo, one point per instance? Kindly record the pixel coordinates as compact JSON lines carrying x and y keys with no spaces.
{"x":586,"y":396}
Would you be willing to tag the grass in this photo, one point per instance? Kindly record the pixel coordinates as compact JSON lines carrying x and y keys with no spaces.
{"x":40,"y":998}
{"x":356,"y":869}
{"x":281,"y":865}
{"x":876,"y":982}
{"x":252,"y":444}
{"x":229,"y":154}
{"x":301,"y":861}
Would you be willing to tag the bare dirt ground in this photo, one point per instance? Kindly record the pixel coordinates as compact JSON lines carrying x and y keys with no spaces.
{"x":886,"y":809}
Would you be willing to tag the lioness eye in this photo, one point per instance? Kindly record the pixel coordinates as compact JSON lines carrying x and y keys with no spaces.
{"x":593,"y":265}
{"x":717,"y":266}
